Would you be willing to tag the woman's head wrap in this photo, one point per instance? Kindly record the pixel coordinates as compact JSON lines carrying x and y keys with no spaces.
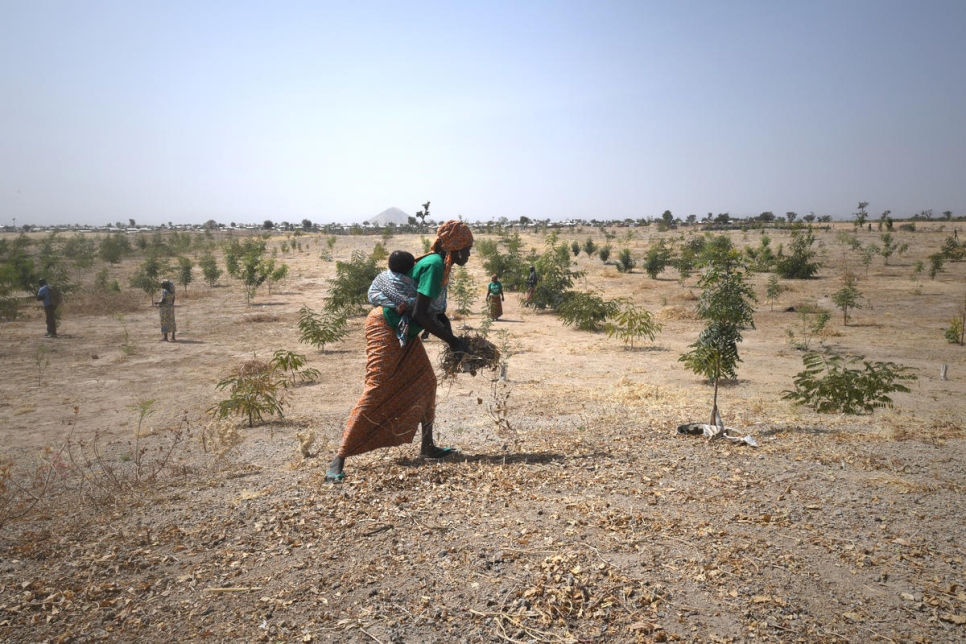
{"x":495,"y":278}
{"x":452,"y":235}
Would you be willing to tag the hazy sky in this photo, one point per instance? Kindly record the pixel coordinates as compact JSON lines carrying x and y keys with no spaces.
{"x":334,"y":111}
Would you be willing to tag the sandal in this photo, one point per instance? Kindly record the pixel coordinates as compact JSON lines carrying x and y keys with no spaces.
{"x":438,"y":452}
{"x":334,"y":478}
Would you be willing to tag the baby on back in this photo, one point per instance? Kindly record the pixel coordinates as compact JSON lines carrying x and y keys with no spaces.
{"x":394,"y":288}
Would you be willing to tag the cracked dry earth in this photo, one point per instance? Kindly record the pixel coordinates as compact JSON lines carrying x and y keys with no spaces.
{"x":590,"y":520}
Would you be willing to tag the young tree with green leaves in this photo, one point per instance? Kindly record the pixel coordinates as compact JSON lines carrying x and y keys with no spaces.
{"x":726,"y":305}
{"x":462,"y":291}
{"x":847,"y":297}
{"x":829,"y":384}
{"x":799,"y":264}
{"x":209,"y":268}
{"x":631,"y":323}
{"x":956,"y":331}
{"x":185,"y":266}
{"x":319,"y":330}
{"x":773,"y":290}
{"x":587,"y":311}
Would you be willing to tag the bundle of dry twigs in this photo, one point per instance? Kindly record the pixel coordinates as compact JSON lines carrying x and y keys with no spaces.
{"x":482,"y":354}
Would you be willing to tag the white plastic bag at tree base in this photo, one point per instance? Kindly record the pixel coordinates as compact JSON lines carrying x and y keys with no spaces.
{"x":714,"y":431}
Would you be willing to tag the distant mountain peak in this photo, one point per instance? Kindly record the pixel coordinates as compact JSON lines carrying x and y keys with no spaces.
{"x":389,"y":216}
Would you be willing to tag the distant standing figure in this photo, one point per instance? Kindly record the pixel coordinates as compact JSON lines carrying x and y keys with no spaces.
{"x":494,"y":296}
{"x":166,"y":306}
{"x":46,"y":295}
{"x":531,"y":284}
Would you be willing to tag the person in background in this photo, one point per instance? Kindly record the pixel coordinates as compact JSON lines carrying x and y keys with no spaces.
{"x":46,"y":295}
{"x":166,"y":307}
{"x":531,"y":284}
{"x":494,"y":297}
{"x":400,"y":389}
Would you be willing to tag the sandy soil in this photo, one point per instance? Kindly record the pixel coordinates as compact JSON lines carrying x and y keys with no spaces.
{"x":593,"y":522}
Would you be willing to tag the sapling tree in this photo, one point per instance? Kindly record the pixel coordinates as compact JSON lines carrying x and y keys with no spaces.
{"x":625,"y":261}
{"x":462,"y":290}
{"x":209,"y":269}
{"x":631,"y":323}
{"x":799,"y":264}
{"x":587,"y":311}
{"x":319,"y":330}
{"x":726,"y":305}
{"x":847,"y":297}
{"x":185,"y":265}
{"x":811,"y":323}
{"x":773,"y":290}
{"x":956,"y":331}
{"x":830,"y":384}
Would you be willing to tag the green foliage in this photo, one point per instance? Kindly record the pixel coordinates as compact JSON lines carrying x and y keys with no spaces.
{"x":761,"y":258}
{"x":952,"y":250}
{"x":575,"y":247}
{"x":956,"y":331}
{"x":773,"y":290}
{"x":185,"y":267}
{"x":462,"y":290}
{"x":209,"y":269}
{"x":936,"y":265}
{"x":255,"y":389}
{"x":657,"y":259}
{"x":349,"y":290}
{"x":589,"y":247}
{"x":556,"y":278}
{"x":293,"y":365}
{"x":147,"y":276}
{"x":511,"y":265}
{"x":319,"y":330}
{"x":587,"y":311}
{"x":829,"y":383}
{"x":726,"y":304}
{"x":715,"y":354}
{"x":379,"y":252}
{"x":604,"y":253}
{"x":625,"y":261}
{"x":811,"y":322}
{"x":113,"y":248}
{"x":799,"y":264}
{"x":847,"y":297}
{"x":631,"y":323}
{"x":246,"y":262}
{"x":890,"y":247}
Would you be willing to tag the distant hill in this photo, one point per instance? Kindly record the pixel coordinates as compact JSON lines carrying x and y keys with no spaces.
{"x":390,"y":216}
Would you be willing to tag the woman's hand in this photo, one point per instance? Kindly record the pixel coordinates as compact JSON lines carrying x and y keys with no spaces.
{"x":459,"y":345}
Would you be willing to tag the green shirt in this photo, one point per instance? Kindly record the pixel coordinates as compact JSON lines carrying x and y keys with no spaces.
{"x":428,"y":275}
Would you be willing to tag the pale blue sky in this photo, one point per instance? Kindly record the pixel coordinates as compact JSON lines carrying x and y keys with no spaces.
{"x":334,"y":111}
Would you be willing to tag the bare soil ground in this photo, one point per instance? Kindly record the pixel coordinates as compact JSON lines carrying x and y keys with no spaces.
{"x":596,"y":522}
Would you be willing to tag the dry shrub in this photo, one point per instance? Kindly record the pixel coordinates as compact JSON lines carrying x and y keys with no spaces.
{"x":261,"y":316}
{"x":677,"y":313}
{"x":482,"y":354}
{"x":103,"y":303}
{"x":219,"y":437}
{"x":252,"y":367}
{"x":686,"y":296}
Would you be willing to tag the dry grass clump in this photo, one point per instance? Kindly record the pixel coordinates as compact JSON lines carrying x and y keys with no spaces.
{"x":482,"y":354}
{"x":103,"y":303}
{"x":261,"y":316}
{"x":252,"y":367}
{"x":677,"y":313}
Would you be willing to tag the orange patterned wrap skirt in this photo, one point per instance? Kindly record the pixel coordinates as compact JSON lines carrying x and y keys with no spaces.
{"x":400,"y":391}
